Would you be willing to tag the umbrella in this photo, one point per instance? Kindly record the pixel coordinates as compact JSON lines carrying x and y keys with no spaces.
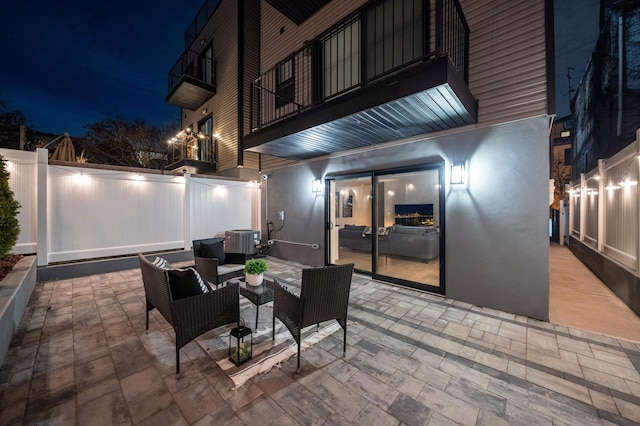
{"x":64,"y":151}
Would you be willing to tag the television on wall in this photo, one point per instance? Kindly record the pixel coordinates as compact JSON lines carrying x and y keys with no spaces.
{"x":414,"y":214}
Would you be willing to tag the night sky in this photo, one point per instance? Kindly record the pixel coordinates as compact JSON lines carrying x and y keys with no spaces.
{"x":576,"y":33}
{"x":69,"y":63}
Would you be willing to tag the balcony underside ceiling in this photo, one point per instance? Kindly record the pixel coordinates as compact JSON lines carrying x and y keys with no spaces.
{"x":427,"y":98}
{"x":298,"y":11}
{"x":190,"y":93}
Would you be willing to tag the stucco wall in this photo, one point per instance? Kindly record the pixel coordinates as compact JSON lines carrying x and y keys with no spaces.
{"x":495,"y":227}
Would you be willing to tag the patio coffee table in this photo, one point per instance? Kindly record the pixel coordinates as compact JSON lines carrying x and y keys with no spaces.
{"x":258,"y":295}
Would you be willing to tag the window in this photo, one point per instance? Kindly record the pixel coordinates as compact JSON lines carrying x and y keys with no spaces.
{"x":207,"y":150}
{"x":567,"y":157}
{"x":285,"y":83}
{"x":205,"y":65}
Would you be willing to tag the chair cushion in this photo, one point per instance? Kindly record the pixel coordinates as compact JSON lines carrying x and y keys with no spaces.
{"x":186,"y":283}
{"x":213,"y":249}
{"x":161,"y":263}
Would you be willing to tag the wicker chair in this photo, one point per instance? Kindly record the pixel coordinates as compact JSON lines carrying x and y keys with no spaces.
{"x":324,"y":296}
{"x":215,"y":274}
{"x":217,"y":271}
{"x":190,"y":316}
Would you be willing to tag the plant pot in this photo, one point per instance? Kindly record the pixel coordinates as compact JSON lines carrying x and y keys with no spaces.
{"x":254,"y":279}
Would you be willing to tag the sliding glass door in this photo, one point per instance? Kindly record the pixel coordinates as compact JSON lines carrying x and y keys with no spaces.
{"x":390,"y":225}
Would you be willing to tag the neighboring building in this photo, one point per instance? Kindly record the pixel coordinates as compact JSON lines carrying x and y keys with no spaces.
{"x":606,"y":107}
{"x":561,"y":158}
{"x":426,"y":121}
{"x":606,"y":111}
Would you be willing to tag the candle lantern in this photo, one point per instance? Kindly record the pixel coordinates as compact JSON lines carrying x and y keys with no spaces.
{"x":240,"y":345}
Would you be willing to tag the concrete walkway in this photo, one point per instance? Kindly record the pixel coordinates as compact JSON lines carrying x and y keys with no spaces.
{"x":578,"y":299}
{"x":81,"y":356}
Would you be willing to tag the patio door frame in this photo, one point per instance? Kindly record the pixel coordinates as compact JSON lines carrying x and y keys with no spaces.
{"x":438,"y":166}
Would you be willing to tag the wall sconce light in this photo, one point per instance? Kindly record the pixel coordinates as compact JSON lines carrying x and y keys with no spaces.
{"x":205,"y":111}
{"x":457,"y":173}
{"x":316,"y":186}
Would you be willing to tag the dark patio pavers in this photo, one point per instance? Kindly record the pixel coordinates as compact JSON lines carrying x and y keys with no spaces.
{"x":81,"y":356}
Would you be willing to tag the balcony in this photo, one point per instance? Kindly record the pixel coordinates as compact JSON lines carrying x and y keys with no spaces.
{"x":379,"y":75}
{"x":193,"y":153}
{"x":192,"y":80}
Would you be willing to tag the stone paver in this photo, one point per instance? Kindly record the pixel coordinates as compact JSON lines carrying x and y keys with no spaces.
{"x":81,"y":356}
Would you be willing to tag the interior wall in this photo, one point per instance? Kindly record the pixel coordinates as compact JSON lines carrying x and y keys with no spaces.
{"x":419,"y":188}
{"x":495,"y":225}
{"x":361,"y":206}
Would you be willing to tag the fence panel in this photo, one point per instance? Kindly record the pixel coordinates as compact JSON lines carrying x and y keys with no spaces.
{"x":96,"y":213}
{"x":604,"y":207}
{"x":574,"y":221}
{"x":591,"y":197}
{"x":621,"y":207}
{"x":92,"y":212}
{"x":217,"y":206}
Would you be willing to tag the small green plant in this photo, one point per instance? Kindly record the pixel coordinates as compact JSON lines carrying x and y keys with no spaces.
{"x":9,"y":225}
{"x":245,"y":354}
{"x":255,"y":267}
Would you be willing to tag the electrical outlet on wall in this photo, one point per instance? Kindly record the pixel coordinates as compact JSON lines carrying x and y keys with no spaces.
{"x":281,"y":215}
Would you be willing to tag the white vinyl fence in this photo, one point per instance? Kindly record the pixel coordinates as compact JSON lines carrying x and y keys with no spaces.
{"x":604,"y":211}
{"x":85,"y":211}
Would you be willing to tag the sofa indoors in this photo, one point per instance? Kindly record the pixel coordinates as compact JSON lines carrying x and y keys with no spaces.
{"x":416,"y":242}
{"x":354,"y":237}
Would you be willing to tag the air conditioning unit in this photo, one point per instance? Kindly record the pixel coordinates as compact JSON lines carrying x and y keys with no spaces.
{"x":241,"y":241}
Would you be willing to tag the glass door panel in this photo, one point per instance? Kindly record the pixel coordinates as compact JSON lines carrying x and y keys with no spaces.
{"x":350,"y":215}
{"x":408,"y":226}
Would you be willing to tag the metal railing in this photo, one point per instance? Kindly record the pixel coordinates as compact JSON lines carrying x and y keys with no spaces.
{"x":376,"y":40}
{"x":195,"y":65}
{"x":193,"y":148}
{"x":200,"y":21}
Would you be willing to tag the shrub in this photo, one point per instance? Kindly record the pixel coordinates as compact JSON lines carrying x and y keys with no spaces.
{"x":255,"y":266}
{"x":9,"y":225}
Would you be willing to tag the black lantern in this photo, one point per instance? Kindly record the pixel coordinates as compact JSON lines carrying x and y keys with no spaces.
{"x":240,"y":345}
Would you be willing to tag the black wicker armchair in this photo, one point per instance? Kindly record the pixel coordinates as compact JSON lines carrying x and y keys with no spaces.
{"x":216,"y":274}
{"x":324,"y":296}
{"x":189,"y":316}
{"x":213,"y":264}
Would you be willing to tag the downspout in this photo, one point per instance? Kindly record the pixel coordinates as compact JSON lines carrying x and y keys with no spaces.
{"x":620,"y":71}
{"x":240,"y":77}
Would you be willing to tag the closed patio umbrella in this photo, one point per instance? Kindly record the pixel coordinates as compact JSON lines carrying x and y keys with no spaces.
{"x":64,"y":151}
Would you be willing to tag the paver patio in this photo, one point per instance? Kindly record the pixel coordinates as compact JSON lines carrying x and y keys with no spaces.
{"x":81,"y":356}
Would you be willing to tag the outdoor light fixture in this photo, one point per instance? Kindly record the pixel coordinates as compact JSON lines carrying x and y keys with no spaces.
{"x":457,"y":173}
{"x":316,"y":186}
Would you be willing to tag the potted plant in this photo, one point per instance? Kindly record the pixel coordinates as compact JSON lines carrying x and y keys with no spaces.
{"x":254,"y":271}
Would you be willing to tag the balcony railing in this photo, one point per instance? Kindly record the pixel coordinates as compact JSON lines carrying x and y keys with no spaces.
{"x":200,"y":21}
{"x":194,"y":148}
{"x":193,"y":64}
{"x":377,"y":40}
